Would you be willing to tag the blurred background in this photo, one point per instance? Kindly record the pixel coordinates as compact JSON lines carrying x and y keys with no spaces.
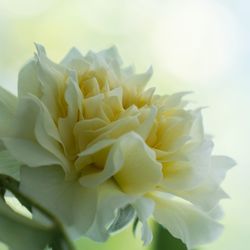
{"x":196,"y":45}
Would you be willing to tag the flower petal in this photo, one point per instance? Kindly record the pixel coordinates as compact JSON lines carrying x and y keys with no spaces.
{"x":53,"y":78}
{"x":96,"y":155}
{"x":144,"y":208}
{"x":110,"y":200}
{"x":73,"y":204}
{"x":8,"y":104}
{"x":73,"y":54}
{"x":186,"y":222}
{"x":73,"y":98}
{"x":8,"y":165}
{"x":220,"y":166}
{"x":206,"y":196}
{"x":139,"y":80}
{"x":28,"y":82}
{"x":149,"y":115}
{"x":140,"y":172}
{"x":208,"y":193}
{"x":35,"y":140}
{"x":185,"y":174}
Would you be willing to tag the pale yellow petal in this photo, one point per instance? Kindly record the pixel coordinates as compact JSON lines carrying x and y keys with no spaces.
{"x":148,"y":116}
{"x":139,"y":80}
{"x":140,"y":172}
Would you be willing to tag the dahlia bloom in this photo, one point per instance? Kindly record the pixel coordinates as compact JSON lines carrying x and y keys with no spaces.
{"x":98,"y":148}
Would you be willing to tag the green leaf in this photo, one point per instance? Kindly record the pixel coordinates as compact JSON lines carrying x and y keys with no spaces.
{"x":165,"y":241}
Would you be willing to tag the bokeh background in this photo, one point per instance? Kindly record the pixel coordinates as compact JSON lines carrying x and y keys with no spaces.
{"x":196,"y":45}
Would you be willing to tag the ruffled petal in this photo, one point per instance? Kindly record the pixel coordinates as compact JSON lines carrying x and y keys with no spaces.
{"x":140,"y":172}
{"x":208,"y":193}
{"x":191,"y":171}
{"x":53,"y":78}
{"x":96,"y":157}
{"x":74,"y":99}
{"x":34,"y":139}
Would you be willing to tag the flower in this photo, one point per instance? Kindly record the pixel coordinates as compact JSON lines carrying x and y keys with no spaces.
{"x":97,"y":148}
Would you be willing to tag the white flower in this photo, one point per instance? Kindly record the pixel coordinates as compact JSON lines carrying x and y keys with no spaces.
{"x":96,"y":141}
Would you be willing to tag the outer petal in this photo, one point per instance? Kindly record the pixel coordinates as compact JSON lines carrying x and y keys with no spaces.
{"x":110,"y":199}
{"x":8,"y":165}
{"x":35,"y":140}
{"x":185,"y":222}
{"x":73,"y":54}
{"x":144,"y":208}
{"x":73,"y":204}
{"x":220,"y":166}
{"x":188,"y":173}
{"x":28,"y":82}
{"x":53,"y":81}
{"x":8,"y":104}
{"x":208,"y":194}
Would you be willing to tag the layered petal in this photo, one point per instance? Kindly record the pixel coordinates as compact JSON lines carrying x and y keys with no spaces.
{"x":138,"y":160}
{"x":35,"y":140}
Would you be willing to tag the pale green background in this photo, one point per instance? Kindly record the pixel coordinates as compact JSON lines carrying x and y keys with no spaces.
{"x":193,"y":45}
